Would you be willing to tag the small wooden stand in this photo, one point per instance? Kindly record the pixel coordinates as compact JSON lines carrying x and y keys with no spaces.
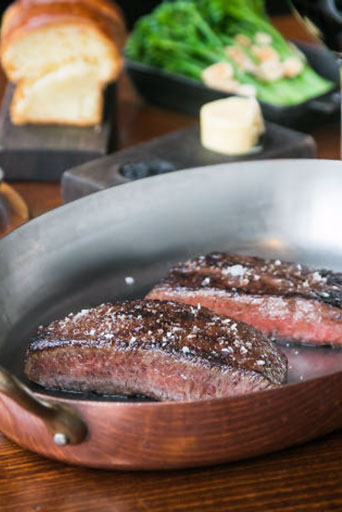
{"x":181,"y":149}
{"x":44,"y":152}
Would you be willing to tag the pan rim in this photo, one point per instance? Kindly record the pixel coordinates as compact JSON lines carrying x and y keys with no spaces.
{"x":170,"y":177}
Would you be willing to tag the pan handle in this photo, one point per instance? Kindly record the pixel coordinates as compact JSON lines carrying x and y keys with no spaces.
{"x":62,"y":421}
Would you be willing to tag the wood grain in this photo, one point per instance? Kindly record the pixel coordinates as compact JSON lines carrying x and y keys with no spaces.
{"x":302,"y":479}
{"x":306,"y":479}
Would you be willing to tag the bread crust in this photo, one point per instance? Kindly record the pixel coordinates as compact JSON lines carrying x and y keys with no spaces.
{"x":100,"y":17}
{"x":104,"y":7}
{"x":107,"y":7}
{"x":22,"y":17}
{"x":26,"y":15}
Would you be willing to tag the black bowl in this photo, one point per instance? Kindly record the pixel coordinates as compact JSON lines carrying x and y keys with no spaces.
{"x":187,"y":95}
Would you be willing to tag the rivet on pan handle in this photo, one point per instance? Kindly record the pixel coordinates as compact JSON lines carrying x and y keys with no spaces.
{"x":62,"y":421}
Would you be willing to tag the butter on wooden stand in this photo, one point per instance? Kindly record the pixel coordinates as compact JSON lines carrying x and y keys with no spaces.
{"x":231,"y":126}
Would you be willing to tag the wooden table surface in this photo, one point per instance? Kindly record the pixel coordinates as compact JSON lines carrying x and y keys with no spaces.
{"x":306,"y":478}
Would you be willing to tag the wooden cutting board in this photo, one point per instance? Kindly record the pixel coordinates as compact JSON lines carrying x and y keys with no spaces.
{"x":44,"y":152}
{"x":178,"y":150}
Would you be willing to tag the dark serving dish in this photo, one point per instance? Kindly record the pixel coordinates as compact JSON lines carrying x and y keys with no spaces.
{"x":184,"y":94}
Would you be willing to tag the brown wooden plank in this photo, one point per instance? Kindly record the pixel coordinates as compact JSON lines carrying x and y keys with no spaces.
{"x":307,"y":478}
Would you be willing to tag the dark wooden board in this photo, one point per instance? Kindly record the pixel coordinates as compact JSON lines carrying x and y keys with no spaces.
{"x":178,"y":150}
{"x":43,"y":152}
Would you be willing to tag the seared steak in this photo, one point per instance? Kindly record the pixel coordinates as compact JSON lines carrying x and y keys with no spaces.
{"x":286,"y":301}
{"x":164,"y":350}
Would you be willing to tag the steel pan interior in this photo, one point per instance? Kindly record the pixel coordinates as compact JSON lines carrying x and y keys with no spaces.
{"x":79,"y":255}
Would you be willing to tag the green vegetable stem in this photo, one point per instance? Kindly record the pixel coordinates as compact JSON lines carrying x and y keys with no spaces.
{"x":187,"y":36}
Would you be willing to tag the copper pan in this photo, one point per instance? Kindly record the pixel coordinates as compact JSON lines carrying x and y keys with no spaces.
{"x":79,"y":255}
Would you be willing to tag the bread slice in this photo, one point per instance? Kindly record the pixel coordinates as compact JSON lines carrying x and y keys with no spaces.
{"x":70,"y":95}
{"x":39,"y":37}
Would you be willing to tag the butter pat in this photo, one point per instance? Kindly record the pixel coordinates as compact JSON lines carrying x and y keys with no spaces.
{"x":231,"y":126}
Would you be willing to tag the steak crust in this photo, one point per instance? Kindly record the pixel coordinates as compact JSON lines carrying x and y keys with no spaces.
{"x":160,"y":349}
{"x":286,"y":301}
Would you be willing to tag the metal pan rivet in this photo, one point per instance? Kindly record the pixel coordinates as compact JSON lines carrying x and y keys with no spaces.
{"x":60,"y":439}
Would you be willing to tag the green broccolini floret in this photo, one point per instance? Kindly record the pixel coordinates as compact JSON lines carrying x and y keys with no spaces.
{"x":179,"y":22}
{"x":186,"y":36}
{"x":251,"y":14}
{"x":176,"y":34}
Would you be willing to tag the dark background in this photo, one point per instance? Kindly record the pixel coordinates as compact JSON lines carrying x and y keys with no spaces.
{"x":133,"y":9}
